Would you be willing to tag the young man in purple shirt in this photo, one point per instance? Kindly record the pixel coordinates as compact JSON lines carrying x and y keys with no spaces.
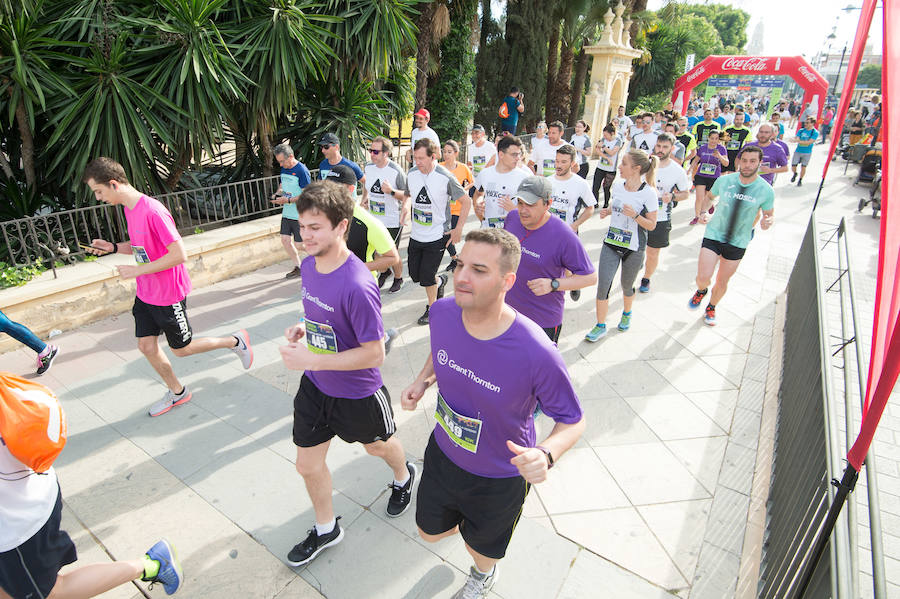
{"x":492,"y":366}
{"x":774,"y":160}
{"x":341,"y":391}
{"x":550,"y":248}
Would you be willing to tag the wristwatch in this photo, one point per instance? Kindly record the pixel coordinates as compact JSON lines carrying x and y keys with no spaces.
{"x":549,"y":456}
{"x":554,"y":284}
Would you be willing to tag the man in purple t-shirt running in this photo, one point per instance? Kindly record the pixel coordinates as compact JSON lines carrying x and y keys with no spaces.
{"x":341,"y":392}
{"x":492,"y":366}
{"x":775,"y":159}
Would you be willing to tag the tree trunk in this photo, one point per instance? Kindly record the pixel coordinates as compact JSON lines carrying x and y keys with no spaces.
{"x":4,"y":164}
{"x":264,"y":139}
{"x":636,"y":6}
{"x":423,"y":48}
{"x":528,"y":25}
{"x":27,"y":144}
{"x":181,"y":163}
{"x":559,"y":106}
{"x":481,"y":60}
{"x":552,"y":61}
{"x":577,"y":95}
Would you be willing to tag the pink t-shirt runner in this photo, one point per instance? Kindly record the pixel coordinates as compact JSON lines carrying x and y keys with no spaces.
{"x":151,"y":229}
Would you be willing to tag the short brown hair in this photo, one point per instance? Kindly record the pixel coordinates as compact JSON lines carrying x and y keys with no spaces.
{"x":103,"y":170}
{"x":510,"y":250}
{"x":387,"y":145}
{"x":330,"y":199}
{"x":567,"y":150}
{"x":558,"y":125}
{"x":429,"y":145}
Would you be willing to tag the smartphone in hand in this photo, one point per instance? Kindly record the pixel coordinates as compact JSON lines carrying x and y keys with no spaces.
{"x":93,"y":251}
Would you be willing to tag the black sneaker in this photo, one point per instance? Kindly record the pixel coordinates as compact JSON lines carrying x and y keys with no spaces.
{"x":424,"y":318}
{"x":401,"y":496}
{"x":383,"y":277}
{"x":800,"y":182}
{"x":575,"y":294}
{"x":304,"y":552}
{"x":793,"y":177}
{"x":44,"y":364}
{"x":452,"y":266}
{"x":443,"y":283}
{"x":293,"y":274}
{"x":398,"y":283}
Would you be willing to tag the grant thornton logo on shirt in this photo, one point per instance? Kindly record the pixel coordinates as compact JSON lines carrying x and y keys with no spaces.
{"x":445,"y":360}
{"x":315,"y":300}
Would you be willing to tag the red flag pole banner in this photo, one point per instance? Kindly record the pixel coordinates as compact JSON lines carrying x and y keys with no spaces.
{"x":814,"y":85}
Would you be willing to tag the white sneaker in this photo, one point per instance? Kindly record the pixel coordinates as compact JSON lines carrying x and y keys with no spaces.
{"x":243,"y":349}
{"x":477,"y":585}
{"x":169,"y":401}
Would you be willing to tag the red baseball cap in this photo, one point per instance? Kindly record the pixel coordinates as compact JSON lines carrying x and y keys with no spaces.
{"x":423,"y":112}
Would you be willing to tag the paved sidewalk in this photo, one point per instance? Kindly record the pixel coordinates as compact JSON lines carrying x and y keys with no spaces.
{"x":651,"y":503}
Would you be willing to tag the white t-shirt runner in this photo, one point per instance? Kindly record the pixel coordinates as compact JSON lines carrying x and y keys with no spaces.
{"x":384,"y":206}
{"x":568,"y":195}
{"x":544,"y":157}
{"x":418,"y":134}
{"x":431,"y":195}
{"x":624,"y":232}
{"x":670,"y":179}
{"x":495,"y":185}
{"x":479,"y":156}
{"x":606,"y":164}
{"x":26,"y":500}
{"x":644,"y":141}
{"x":581,"y":142}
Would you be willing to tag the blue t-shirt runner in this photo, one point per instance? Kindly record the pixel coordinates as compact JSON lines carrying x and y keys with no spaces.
{"x":293,"y":180}
{"x":732,"y":222}
{"x":510,"y":122}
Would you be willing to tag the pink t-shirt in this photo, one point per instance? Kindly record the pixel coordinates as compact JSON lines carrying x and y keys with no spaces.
{"x":150,"y":230}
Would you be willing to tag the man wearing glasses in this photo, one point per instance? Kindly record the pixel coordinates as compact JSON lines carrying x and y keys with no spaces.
{"x":804,"y":139}
{"x":496,"y":184}
{"x":331,"y":150}
{"x":388,"y":199}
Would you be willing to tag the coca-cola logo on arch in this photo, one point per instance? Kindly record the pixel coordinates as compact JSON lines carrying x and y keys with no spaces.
{"x":744,"y":64}
{"x":807,"y":74}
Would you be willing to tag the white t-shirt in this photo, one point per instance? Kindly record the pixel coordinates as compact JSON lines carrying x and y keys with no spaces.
{"x":634,"y":130}
{"x":581,"y":142}
{"x":644,"y":141}
{"x":544,"y":157}
{"x":605,"y":164}
{"x":670,"y":179}
{"x":624,"y":232}
{"x":625,"y":122}
{"x":479,"y":156}
{"x":418,"y":134}
{"x":568,"y":194}
{"x":495,"y":185}
{"x":754,"y":118}
{"x":656,"y":127}
{"x":26,"y":500}
{"x":431,"y":195}
{"x":785,"y":115}
{"x":384,"y":206}
{"x":729,"y":118}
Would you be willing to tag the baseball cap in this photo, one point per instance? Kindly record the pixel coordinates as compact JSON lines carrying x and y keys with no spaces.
{"x":478,"y":128}
{"x":341,"y":173}
{"x":423,"y":112}
{"x":328,"y":139}
{"x":532,"y":189}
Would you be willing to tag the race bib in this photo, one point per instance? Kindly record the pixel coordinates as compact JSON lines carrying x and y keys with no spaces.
{"x":496,"y":222}
{"x":462,"y":430}
{"x":140,"y":254}
{"x":604,"y":161}
{"x":707,"y":169}
{"x":734,"y":144}
{"x":320,"y":338}
{"x":423,"y":217}
{"x":478,"y":163}
{"x":549,"y":166}
{"x":376,"y":208}
{"x":618,"y":237}
{"x":764,"y":164}
{"x":560,"y":213}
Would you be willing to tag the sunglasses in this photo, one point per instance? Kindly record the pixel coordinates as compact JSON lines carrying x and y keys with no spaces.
{"x":374,"y":151}
{"x":326,"y":146}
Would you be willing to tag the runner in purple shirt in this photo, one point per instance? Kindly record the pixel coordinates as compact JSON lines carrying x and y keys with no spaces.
{"x":549,"y":248}
{"x":491,"y":365}
{"x":341,"y":392}
{"x":707,"y":167}
{"x":775,"y":159}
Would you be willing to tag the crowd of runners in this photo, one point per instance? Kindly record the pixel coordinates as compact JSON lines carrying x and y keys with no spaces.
{"x":493,"y":354}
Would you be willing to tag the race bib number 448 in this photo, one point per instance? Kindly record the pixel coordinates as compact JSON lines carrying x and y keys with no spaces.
{"x":462,"y":430}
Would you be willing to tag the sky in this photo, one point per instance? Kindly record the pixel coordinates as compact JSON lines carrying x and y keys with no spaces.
{"x":801,"y":26}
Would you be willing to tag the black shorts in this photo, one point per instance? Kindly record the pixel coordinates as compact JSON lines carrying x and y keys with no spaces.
{"x":659,"y":237}
{"x":150,"y":321}
{"x":424,"y":259}
{"x":583,"y":170}
{"x":726,"y":250}
{"x":30,"y":570}
{"x":706,"y":182}
{"x":289,"y":226}
{"x":553,"y":332}
{"x":395,"y":233}
{"x":486,"y":509}
{"x":319,"y":417}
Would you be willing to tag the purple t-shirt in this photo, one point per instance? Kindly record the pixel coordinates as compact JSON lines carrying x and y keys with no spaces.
{"x":709,"y":165}
{"x":773,"y":157}
{"x":342,"y":310}
{"x":492,"y":386}
{"x":547,"y":252}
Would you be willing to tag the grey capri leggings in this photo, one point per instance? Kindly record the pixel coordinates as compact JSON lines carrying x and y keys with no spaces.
{"x":610,"y":258}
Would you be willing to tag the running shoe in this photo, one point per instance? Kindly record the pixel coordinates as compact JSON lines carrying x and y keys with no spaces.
{"x":169,"y":401}
{"x":397,"y":284}
{"x":383,"y":277}
{"x":441,"y":284}
{"x":452,"y":266}
{"x":309,"y":548}
{"x":424,"y":318}
{"x":243,"y":349}
{"x":575,"y":294}
{"x":694,"y":220}
{"x":597,"y":333}
{"x":389,"y":336}
{"x":477,"y":585}
{"x":645,"y":285}
{"x":293,"y":273}
{"x":799,"y":182}
{"x":625,"y":321}
{"x":170,"y":574}
{"x":697,"y":299}
{"x":711,"y":210}
{"x":710,"y":316}
{"x":793,"y":177}
{"x":44,"y":363}
{"x":400,"y":496}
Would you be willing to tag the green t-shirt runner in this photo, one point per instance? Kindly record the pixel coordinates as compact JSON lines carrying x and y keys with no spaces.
{"x":368,"y":235}
{"x":732,"y":222}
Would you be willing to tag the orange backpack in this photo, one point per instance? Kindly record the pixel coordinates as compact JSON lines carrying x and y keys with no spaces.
{"x":32,"y":422}
{"x":503,"y":111}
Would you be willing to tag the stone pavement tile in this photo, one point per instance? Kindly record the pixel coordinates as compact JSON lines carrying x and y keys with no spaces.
{"x":593,"y":576}
{"x":673,"y":416}
{"x":611,"y":421}
{"x":702,"y":457}
{"x":634,"y":378}
{"x":533,"y":506}
{"x":586,"y":379}
{"x":718,"y":405}
{"x":731,"y":366}
{"x":745,"y":428}
{"x":579,"y":482}
{"x":757,"y":367}
{"x":679,"y":527}
{"x":737,"y":468}
{"x":622,"y":537}
{"x":716,"y":574}
{"x":760,"y":344}
{"x":702,"y":340}
{"x":122,"y":392}
{"x":751,"y":395}
{"x":689,"y":375}
{"x":299,"y":589}
{"x":649,"y":473}
{"x":727,"y":520}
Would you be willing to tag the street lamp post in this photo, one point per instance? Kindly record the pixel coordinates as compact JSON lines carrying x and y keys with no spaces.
{"x":840,"y":66}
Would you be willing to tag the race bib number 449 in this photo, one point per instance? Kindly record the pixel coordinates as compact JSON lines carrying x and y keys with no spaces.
{"x":462,"y":430}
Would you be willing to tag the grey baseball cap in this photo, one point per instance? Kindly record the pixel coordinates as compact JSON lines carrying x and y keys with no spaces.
{"x":532,"y":189}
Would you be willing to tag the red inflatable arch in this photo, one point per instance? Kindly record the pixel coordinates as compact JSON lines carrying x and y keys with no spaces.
{"x":814,"y":85}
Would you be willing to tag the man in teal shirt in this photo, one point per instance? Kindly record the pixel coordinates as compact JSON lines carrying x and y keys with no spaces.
{"x":805,"y":139}
{"x":294,"y":177}
{"x":741,"y":196}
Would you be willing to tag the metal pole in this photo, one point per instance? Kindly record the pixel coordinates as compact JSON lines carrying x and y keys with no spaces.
{"x":840,"y":66}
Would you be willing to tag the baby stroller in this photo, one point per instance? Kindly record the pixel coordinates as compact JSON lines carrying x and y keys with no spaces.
{"x":869,"y":166}
{"x":874,"y":196}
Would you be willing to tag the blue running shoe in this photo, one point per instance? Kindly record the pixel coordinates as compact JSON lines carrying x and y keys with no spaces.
{"x":170,"y":574}
{"x":597,"y":333}
{"x":625,"y":321}
{"x":645,"y":285}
